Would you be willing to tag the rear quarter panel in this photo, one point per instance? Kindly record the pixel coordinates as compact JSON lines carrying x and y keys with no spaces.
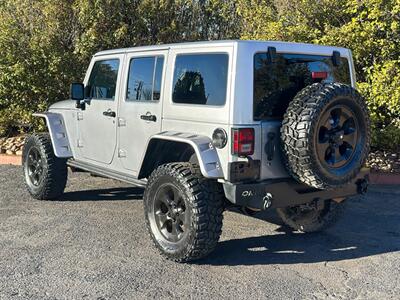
{"x":199,"y":119}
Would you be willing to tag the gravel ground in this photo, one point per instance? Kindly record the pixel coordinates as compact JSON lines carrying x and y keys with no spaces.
{"x":93,"y":244}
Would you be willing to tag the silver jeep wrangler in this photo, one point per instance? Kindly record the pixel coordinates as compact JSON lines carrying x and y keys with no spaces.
{"x":205,"y":125}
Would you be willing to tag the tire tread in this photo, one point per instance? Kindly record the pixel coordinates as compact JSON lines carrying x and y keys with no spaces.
{"x":297,"y":131}
{"x":55,"y":179}
{"x":207,"y":209}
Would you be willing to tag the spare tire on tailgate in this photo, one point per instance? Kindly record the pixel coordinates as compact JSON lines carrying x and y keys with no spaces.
{"x":326,"y":135}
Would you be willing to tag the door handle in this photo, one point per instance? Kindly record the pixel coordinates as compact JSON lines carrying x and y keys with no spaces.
{"x":149,"y":117}
{"x":109,"y":113}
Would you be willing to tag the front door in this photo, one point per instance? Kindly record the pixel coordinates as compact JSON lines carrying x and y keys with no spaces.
{"x":97,"y":123}
{"x":140,"y":108}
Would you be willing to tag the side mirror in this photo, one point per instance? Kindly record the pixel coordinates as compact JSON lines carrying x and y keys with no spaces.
{"x":77,"y":93}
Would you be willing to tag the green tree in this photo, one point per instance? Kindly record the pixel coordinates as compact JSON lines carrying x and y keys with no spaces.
{"x":46,"y":44}
{"x":370,"y":28}
{"x":36,"y":57}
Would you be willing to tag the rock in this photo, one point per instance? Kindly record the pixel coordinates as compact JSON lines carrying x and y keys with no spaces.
{"x":384,"y":161}
{"x":9,"y":152}
{"x":19,"y":152}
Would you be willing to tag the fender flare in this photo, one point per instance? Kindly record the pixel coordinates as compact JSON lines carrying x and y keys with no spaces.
{"x":206,"y":153}
{"x":58,"y":133}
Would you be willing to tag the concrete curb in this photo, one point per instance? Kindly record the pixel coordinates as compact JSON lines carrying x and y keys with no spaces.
{"x":374,"y":178}
{"x":6,"y":159}
{"x":384,"y":178}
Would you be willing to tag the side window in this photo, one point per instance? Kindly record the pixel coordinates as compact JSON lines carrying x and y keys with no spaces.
{"x":103,"y":80}
{"x":200,"y":79}
{"x":144,"y":79}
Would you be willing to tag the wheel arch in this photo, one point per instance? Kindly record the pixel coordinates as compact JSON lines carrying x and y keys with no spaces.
{"x":58,"y":133}
{"x":180,"y":147}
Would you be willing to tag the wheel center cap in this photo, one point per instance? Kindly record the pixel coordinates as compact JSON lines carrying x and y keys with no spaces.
{"x":337,"y":137}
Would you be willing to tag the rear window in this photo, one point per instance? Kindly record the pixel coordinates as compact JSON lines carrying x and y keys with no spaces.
{"x":276,"y":84}
{"x":200,"y":79}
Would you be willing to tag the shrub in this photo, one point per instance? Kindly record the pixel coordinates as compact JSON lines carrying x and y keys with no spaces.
{"x":45,"y":45}
{"x":382,"y":90}
{"x":370,"y":28}
{"x":387,"y":138}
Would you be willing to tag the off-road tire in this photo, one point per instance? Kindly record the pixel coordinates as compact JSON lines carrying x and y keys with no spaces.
{"x":315,"y":221}
{"x":204,"y":201}
{"x":299,"y":131}
{"x":54,"y":169}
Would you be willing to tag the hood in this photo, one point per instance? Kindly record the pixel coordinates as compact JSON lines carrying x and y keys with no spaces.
{"x":66,"y":104}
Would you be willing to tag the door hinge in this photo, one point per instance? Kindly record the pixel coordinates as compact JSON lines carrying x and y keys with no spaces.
{"x":121,"y":153}
{"x":270,"y":146}
{"x":80,"y":144}
{"x":79,"y":115}
{"x":121,"y":122}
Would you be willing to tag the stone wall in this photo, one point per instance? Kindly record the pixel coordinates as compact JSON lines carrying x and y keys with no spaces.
{"x":12,"y":146}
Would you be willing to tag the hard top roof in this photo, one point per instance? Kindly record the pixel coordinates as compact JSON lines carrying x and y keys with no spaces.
{"x":204,"y":44}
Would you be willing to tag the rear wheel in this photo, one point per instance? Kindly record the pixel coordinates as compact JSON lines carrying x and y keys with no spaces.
{"x":45,"y":174}
{"x":183,"y":211}
{"x":311,"y":217}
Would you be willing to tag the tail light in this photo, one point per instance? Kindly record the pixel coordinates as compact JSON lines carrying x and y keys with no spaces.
{"x":319,"y":75}
{"x":242,"y":141}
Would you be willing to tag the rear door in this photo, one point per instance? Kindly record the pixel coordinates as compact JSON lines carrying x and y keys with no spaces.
{"x":275,"y":85}
{"x":140,"y":106}
{"x":97,"y":123}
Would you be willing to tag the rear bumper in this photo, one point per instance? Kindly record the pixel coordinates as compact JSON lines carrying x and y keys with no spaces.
{"x":274,"y":194}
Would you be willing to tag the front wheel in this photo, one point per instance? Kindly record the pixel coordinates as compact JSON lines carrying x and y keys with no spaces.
{"x":311,"y":217}
{"x":45,"y":174}
{"x":183,"y":211}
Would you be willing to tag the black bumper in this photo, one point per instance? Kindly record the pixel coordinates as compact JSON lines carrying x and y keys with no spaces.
{"x":273,"y":193}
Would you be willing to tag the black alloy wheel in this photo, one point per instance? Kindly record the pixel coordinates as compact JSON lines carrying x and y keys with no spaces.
{"x":183,"y":211}
{"x":338,"y":136}
{"x":45,"y":174}
{"x":35,"y":167}
{"x":311,"y":217}
{"x":170,"y":213}
{"x":326,"y":135}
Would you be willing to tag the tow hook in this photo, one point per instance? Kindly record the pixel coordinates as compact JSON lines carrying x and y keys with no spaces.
{"x":267,"y":200}
{"x":362,"y":185}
